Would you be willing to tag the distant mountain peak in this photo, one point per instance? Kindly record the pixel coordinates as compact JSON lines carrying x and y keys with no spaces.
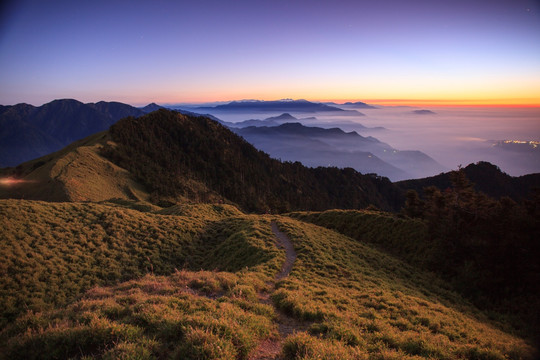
{"x":292,"y":125}
{"x":360,"y":104}
{"x":151,"y":107}
{"x":424,"y":112}
{"x":279,"y":106}
{"x":284,"y":116}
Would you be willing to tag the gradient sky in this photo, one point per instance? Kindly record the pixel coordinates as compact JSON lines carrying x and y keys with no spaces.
{"x":385,"y":51}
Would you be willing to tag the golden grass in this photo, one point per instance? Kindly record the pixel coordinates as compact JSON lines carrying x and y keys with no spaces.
{"x":362,"y":298}
{"x":362,"y":303}
{"x":76,"y":173}
{"x":55,"y":251}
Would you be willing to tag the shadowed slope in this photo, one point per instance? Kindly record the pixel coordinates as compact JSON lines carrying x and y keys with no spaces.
{"x":486,"y":177}
{"x":169,"y":152}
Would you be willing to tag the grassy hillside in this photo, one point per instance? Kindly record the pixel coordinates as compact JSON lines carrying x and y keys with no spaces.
{"x":495,"y":268}
{"x":366,"y":304}
{"x":212,"y":269}
{"x":403,"y":237}
{"x":75,"y":173}
{"x":55,"y":251}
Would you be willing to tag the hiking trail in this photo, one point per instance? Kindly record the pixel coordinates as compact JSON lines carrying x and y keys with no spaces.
{"x":271,"y":348}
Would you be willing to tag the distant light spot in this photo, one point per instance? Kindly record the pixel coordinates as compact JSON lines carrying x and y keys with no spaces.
{"x":10,"y":181}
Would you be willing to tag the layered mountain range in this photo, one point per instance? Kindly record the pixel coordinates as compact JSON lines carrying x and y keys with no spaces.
{"x":316,"y":146}
{"x":286,"y":105}
{"x":28,"y":132}
{"x":170,"y":157}
{"x":167,"y":156}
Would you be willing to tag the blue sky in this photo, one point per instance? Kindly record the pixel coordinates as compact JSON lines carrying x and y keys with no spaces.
{"x":194,"y":51}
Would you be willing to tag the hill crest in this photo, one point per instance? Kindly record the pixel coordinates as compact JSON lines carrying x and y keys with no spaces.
{"x":178,"y":157}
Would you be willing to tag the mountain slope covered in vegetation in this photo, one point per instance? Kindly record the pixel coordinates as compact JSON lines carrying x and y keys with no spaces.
{"x":78,"y":172}
{"x":486,"y":248}
{"x":343,"y":299}
{"x":167,"y":152}
{"x":486,"y":178}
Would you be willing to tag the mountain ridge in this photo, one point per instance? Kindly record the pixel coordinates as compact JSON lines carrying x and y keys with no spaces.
{"x":486,"y":177}
{"x":316,"y":146}
{"x":85,"y":158}
{"x":302,"y":106}
{"x":176,"y":157}
{"x":53,"y":125}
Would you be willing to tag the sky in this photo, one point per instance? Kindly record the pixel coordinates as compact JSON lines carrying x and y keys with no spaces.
{"x":435,"y":52}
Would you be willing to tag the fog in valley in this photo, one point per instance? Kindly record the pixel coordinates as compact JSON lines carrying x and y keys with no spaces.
{"x":450,"y":136}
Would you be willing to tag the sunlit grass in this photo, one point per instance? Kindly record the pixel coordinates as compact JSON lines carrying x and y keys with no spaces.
{"x":198,"y":297}
{"x":186,"y":315}
{"x":366,"y":304}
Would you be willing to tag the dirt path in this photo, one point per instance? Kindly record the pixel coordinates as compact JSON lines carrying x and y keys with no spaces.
{"x":284,"y":242}
{"x":271,"y":348}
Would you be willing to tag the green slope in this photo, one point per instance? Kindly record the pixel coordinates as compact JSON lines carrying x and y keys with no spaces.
{"x":496,"y":269}
{"x":344,"y":299}
{"x":55,"y":251}
{"x":366,"y":304}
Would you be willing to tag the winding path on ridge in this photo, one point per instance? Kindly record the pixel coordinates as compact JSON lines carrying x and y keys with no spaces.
{"x":271,"y":348}
{"x":284,"y":242}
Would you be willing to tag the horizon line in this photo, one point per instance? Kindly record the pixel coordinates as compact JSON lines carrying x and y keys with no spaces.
{"x":505,"y":103}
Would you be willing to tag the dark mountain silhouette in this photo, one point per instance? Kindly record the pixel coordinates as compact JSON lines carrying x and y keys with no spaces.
{"x":315,"y":146}
{"x":28,"y":132}
{"x":191,"y":113}
{"x":278,"y":106}
{"x":151,"y":107}
{"x":424,"y":112}
{"x":271,"y":121}
{"x":297,"y":128}
{"x":486,"y":177}
{"x":116,"y":110}
{"x":16,"y":112}
{"x":250,"y":122}
{"x":21,"y":141}
{"x":283,"y":117}
{"x":360,"y":105}
{"x":174,"y":155}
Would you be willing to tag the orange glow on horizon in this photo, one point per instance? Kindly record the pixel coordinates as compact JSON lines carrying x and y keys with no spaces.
{"x":524,"y":103}
{"x":457,"y":102}
{"x":377,"y":97}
